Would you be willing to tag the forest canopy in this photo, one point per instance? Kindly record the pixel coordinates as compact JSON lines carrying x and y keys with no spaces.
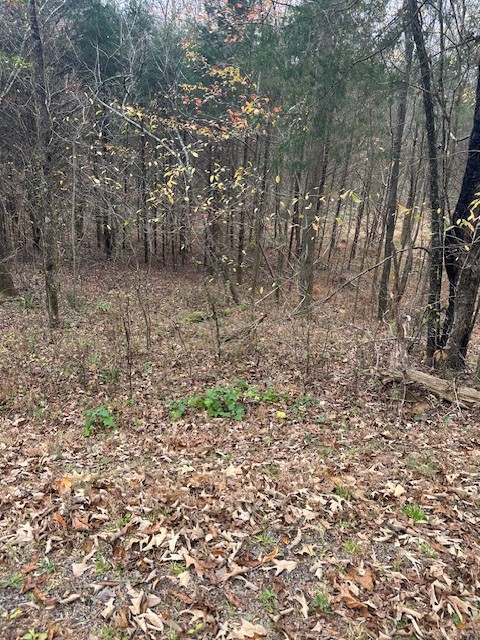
{"x":260,"y":141}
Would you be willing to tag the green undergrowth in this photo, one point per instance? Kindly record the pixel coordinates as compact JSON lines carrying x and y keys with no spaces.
{"x":233,"y":401}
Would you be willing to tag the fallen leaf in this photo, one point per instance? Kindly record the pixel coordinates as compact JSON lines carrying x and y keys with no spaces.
{"x":183,"y":578}
{"x":248,"y":630}
{"x":31,"y":566}
{"x":71,"y":598}
{"x":303,"y":603}
{"x":64,"y":485}
{"x":352,"y":603}
{"x":232,"y":472}
{"x":107,"y":612}
{"x":43,"y":598}
{"x":363,"y":577}
{"x":284,"y":565}
{"x":24,"y":535}
{"x":154,"y":619}
{"x":60,"y":519}
{"x":79,"y":568}
{"x":120,"y":619}
{"x":136,"y":605}
{"x":270,"y":556}
{"x":80,"y":523}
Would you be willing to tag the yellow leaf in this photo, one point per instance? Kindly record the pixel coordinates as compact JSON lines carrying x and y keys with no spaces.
{"x":281,"y":415}
{"x":277,"y":179}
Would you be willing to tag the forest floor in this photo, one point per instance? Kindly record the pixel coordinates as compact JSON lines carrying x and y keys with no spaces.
{"x":241,"y":476}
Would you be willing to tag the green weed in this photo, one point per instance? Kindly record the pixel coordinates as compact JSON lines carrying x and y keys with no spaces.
{"x":320,"y":602}
{"x":428,"y":550}
{"x":176,"y":568}
{"x":269,"y":600}
{"x":104,"y":306}
{"x":35,"y":635}
{"x":415,"y":512}
{"x":218,"y":402}
{"x":352,"y":546}
{"x":343,"y":492}
{"x":425,"y":467}
{"x":101,"y":565}
{"x":13,"y":581}
{"x":101,"y":416}
{"x":264,"y":539}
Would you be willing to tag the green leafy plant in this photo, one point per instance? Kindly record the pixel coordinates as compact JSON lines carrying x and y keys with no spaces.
{"x":35,"y":635}
{"x":273,"y":471}
{"x":269,"y":600}
{"x":320,"y":602}
{"x":47,"y":566}
{"x":428,"y":550}
{"x":218,"y":402}
{"x":264,"y":539}
{"x":101,"y":565}
{"x":13,"y":614}
{"x":343,"y":491}
{"x":352,"y":546}
{"x":30,"y":301}
{"x":13,"y":581}
{"x":177,"y":568}
{"x":125,"y":519}
{"x":197,"y":316}
{"x":425,"y":467}
{"x":415,"y":512}
{"x":74,"y":301}
{"x":101,"y":416}
{"x":110,"y":374}
{"x":225,"y":401}
{"x":111,"y":633}
{"x":104,"y":306}
{"x":196,"y":629}
{"x":270,"y":395}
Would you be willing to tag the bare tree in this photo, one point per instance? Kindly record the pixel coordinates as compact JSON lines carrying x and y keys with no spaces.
{"x":44,"y":164}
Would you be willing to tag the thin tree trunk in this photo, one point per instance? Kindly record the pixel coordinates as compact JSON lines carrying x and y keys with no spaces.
{"x":309,"y":237}
{"x":44,"y":154}
{"x":436,"y":219}
{"x":391,"y":211}
{"x":259,"y":218}
{"x":343,"y":183}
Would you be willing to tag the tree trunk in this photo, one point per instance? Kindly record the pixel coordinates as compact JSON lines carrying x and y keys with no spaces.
{"x":309,"y":238}
{"x":44,"y":156}
{"x":7,"y":288}
{"x":436,"y":219}
{"x":462,"y":255}
{"x":391,"y":211}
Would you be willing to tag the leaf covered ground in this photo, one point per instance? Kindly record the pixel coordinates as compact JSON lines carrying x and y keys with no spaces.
{"x":171,"y":467}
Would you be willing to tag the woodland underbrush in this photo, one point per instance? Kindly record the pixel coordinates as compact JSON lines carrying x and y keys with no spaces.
{"x":173,"y":465}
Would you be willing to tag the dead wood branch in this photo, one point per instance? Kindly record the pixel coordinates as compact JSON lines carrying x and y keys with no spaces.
{"x":448,"y":390}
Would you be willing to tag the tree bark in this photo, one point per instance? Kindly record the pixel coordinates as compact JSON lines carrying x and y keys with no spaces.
{"x":462,"y":255}
{"x":44,"y":157}
{"x":7,"y":288}
{"x":391,"y":210}
{"x":309,"y":239}
{"x":436,"y":216}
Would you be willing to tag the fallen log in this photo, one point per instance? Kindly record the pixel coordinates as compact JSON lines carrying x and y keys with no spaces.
{"x":448,"y":390}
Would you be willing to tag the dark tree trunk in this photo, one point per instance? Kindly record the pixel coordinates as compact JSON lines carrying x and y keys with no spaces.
{"x":462,"y":253}
{"x":436,"y":219}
